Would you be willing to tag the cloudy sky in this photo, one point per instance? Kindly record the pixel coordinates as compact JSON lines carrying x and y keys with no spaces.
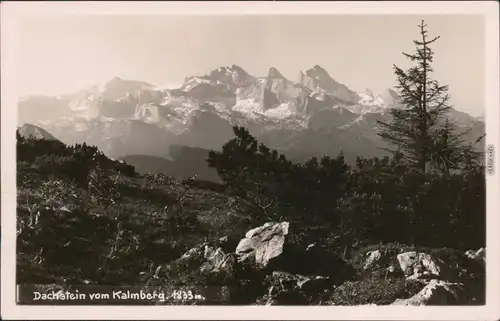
{"x":63,"y":54}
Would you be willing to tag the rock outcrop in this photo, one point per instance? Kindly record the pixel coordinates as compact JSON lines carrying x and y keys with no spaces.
{"x":268,"y":267}
{"x":217,"y":261}
{"x":270,"y":247}
{"x":437,"y":292}
{"x":479,"y":255}
{"x":263,"y":244}
{"x":372,"y":258}
{"x":318,"y":79}
{"x":420,"y":265}
{"x":209,"y":258}
{"x":286,"y":288}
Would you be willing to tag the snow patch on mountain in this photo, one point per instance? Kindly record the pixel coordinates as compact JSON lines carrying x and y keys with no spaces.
{"x":248,"y":107}
{"x":222,"y":110}
{"x":370,"y":100}
{"x":319,"y":95}
{"x":148,"y":113}
{"x":193,"y":82}
{"x":254,"y":110}
{"x":357,"y":121}
{"x":87,"y":104}
{"x":281,"y":112}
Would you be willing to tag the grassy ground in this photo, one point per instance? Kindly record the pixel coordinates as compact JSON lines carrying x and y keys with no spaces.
{"x":66,"y":231}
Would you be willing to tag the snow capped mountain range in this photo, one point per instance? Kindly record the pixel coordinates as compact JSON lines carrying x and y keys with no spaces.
{"x":125,"y":117}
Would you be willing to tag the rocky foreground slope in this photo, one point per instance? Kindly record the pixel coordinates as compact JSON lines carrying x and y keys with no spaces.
{"x":267,"y":267}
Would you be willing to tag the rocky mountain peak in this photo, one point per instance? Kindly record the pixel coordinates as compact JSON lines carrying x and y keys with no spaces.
{"x":317,"y":69}
{"x":274,"y":73}
{"x":32,"y":131}
{"x":238,"y":69}
{"x":117,"y":88}
{"x":318,"y":73}
{"x":317,"y":79}
{"x":115,"y":80}
{"x":230,"y":75}
{"x":369,"y":92}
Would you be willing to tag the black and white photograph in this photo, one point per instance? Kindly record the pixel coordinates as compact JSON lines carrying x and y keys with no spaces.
{"x":232,"y":159}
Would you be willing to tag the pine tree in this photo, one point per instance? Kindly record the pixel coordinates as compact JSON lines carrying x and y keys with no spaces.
{"x":420,"y":129}
{"x":424,"y":102}
{"x":234,"y":162}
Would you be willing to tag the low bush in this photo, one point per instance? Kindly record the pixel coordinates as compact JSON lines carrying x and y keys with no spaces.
{"x":373,"y":291}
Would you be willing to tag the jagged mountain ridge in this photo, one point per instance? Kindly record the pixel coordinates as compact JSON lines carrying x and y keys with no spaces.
{"x":126,"y":117}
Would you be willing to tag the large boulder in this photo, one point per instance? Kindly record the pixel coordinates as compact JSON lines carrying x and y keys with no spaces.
{"x":263,"y":244}
{"x":437,"y":292}
{"x":421,"y":265}
{"x":270,"y":247}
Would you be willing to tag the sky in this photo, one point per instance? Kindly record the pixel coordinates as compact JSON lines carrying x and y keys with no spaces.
{"x":58,"y":55}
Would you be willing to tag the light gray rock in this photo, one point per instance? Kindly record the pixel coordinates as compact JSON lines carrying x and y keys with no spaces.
{"x":301,"y":282}
{"x":212,"y":259}
{"x":271,"y":247}
{"x":216,"y":261}
{"x":263,"y":243}
{"x":287,"y":288}
{"x":372,"y":258}
{"x":436,"y":292}
{"x":421,"y":265}
{"x":479,"y":255}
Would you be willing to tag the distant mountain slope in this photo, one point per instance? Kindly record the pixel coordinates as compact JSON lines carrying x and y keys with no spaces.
{"x":148,"y":164}
{"x":183,"y":162}
{"x":32,"y":131}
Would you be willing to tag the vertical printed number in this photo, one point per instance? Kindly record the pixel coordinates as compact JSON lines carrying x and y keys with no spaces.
{"x":490,"y":160}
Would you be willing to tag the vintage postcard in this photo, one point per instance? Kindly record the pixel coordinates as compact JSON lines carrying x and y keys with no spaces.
{"x":250,"y":160}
